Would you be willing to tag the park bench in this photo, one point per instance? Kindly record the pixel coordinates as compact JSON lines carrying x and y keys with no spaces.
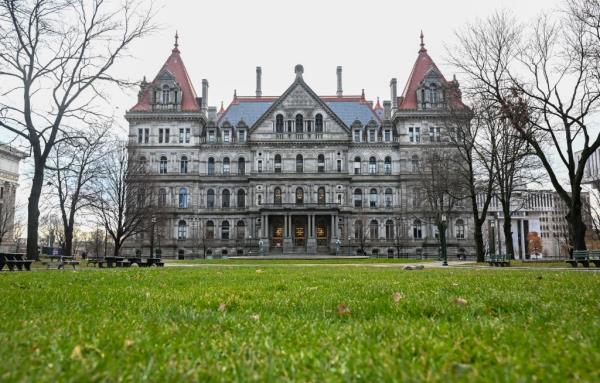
{"x":96,"y":262}
{"x":585,"y":257}
{"x":499,"y":260}
{"x":15,"y":260}
{"x":62,"y":261}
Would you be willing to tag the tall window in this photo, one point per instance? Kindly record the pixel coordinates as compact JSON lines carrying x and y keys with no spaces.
{"x":210,"y":198}
{"x":241,"y":198}
{"x":184,"y":135}
{"x":226,"y":136}
{"x":160,"y":135}
{"x":435,"y":134}
{"x":372,"y":135}
{"x":278,"y":163}
{"x":460,"y":229}
{"x":225,"y":198}
{"x":226,"y":166}
{"x":259,"y":166}
{"x":416,"y":197}
{"x":372,"y":165}
{"x":277,"y":196}
{"x":211,"y":166}
{"x":242,"y":136}
{"x":389,"y":229}
{"x":414,"y":134}
{"x":163,"y":165}
{"x":299,"y":163}
{"x":240,"y":230}
{"x":417,"y":229}
{"x":162,"y":197}
{"x":143,"y":135}
{"x":165,"y":95}
{"x":242,"y":166}
{"x":373,"y":198}
{"x":225,"y":230}
{"x":210,"y":230}
{"x":387,"y":135}
{"x":357,"y":198}
{"x":183,"y":164}
{"x":358,"y":229}
{"x":182,"y":230}
{"x":415,"y":163}
{"x":299,"y":196}
{"x":388,"y":197}
{"x":279,"y":123}
{"x":321,"y":196}
{"x":183,"y":198}
{"x":321,"y":163}
{"x":299,"y":123}
{"x":374,"y":229}
{"x":319,"y":123}
{"x":339,"y":166}
{"x":356,"y":165}
{"x":387,"y":165}
{"x":357,"y":135}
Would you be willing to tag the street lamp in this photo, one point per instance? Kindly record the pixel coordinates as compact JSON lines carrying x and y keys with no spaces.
{"x":444,"y":222}
{"x":493,"y":242}
{"x":153,"y":220}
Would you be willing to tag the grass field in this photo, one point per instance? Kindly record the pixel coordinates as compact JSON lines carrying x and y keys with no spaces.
{"x":300,"y":324}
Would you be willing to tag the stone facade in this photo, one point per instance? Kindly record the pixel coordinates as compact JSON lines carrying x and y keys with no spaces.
{"x":9,"y":181}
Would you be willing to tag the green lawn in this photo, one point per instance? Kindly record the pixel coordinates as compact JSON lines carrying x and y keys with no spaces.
{"x":285,"y":324}
{"x":258,"y":261}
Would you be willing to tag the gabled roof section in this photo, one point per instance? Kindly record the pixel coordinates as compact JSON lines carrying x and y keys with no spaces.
{"x":247,"y":109}
{"x":173,"y":66}
{"x":351,"y":108}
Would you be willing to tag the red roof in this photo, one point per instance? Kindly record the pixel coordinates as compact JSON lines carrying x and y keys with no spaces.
{"x":174,"y":65}
{"x":424,"y":64}
{"x":378,"y":105}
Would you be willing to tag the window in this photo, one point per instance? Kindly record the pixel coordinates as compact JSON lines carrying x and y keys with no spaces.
{"x":182,"y":230}
{"x":143,"y":135}
{"x":142,"y":168}
{"x":225,"y":230}
{"x":226,"y":166}
{"x":290,"y":124}
{"x":163,"y":165}
{"x":240,"y":230}
{"x":160,"y":136}
{"x":299,"y":163}
{"x":242,"y":136}
{"x":339,"y":166}
{"x":279,"y":123}
{"x":278,"y":163}
{"x":183,"y":164}
{"x":372,"y":135}
{"x":184,"y":135}
{"x":165,"y":94}
{"x":387,"y":165}
{"x":321,"y":196}
{"x":242,"y":166}
{"x":259,"y":199}
{"x":226,"y":136}
{"x":210,"y":230}
{"x":387,"y":135}
{"x":414,"y":134}
{"x":460,"y":229}
{"x":183,"y":198}
{"x":210,"y":198}
{"x":356,"y":165}
{"x":299,"y":123}
{"x":373,"y":198}
{"x":319,"y":123}
{"x":358,"y":198}
{"x":162,"y":197}
{"x":321,"y":163}
{"x":225,"y":198}
{"x":434,"y":134}
{"x":358,"y":229}
{"x":415,"y":197}
{"x":299,"y":196}
{"x":374,"y":229}
{"x":415,"y":163}
{"x":309,"y":126}
{"x":277,"y":196}
{"x":163,"y":136}
{"x":372,"y":165}
{"x":389,"y":229}
{"x":259,"y":166}
{"x":211,"y":137}
{"x":241,"y":198}
{"x":357,"y":135}
{"x":417,"y":229}
{"x":211,"y":167}
{"x":388,"y":197}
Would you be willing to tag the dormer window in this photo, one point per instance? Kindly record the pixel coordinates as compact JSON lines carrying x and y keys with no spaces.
{"x":211,"y":137}
{"x":165,"y":95}
{"x":226,"y":136}
{"x":242,"y":135}
{"x":372,"y":135}
{"x":387,"y":135}
{"x":357,"y":135}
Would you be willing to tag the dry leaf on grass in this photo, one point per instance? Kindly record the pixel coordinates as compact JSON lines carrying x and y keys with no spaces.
{"x":76,"y":353}
{"x":256,"y":317}
{"x":343,"y":310}
{"x":259,"y":271}
{"x":129,"y":343}
{"x":397,"y":297}
{"x":222,"y":307}
{"x":460,"y":301}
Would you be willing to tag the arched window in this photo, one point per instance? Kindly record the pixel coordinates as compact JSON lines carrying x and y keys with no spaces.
{"x":319,"y":123}
{"x":240,"y":230}
{"x":388,"y":197}
{"x":277,"y":163}
{"x":211,"y":167}
{"x":387,"y":165}
{"x":183,"y":198}
{"x":225,"y":198}
{"x":182,"y":230}
{"x":321,"y":196}
{"x":416,"y":197}
{"x":373,"y":198}
{"x":165,"y":94}
{"x":415,"y":163}
{"x":279,"y":123}
{"x":225,"y":230}
{"x":241,"y":198}
{"x":277,"y":196}
{"x":299,"y":163}
{"x":183,"y":164}
{"x":226,"y":166}
{"x":242,"y":166}
{"x":372,"y":165}
{"x":358,"y":229}
{"x":163,"y":165}
{"x":357,"y":198}
{"x":389,"y":229}
{"x":299,"y":123}
{"x":374,"y":229}
{"x":210,"y":198}
{"x":259,"y":199}
{"x":417,"y":229}
{"x":460,"y":229}
{"x":162,"y":197}
{"x":210,"y":230}
{"x":356,"y":165}
{"x":299,"y":195}
{"x":321,"y":163}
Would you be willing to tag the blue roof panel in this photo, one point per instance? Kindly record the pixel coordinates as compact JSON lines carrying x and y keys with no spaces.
{"x":249,"y":112}
{"x":352,"y":111}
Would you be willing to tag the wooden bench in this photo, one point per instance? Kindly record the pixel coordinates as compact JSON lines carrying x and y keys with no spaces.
{"x":585,"y":257}
{"x":67,"y":262}
{"x":15,"y":260}
{"x":500,"y":260}
{"x":96,"y":262}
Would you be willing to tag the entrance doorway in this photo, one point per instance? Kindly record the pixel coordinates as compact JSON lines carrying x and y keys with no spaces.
{"x":299,"y":228}
{"x":322,"y":229}
{"x":277,"y":231}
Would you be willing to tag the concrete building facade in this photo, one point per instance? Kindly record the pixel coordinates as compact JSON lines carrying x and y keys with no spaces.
{"x":9,"y":182}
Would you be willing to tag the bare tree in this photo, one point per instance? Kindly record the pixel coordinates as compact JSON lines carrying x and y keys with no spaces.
{"x":73,"y":166}
{"x":17,"y":233}
{"x":7,"y":221}
{"x":55,"y":56}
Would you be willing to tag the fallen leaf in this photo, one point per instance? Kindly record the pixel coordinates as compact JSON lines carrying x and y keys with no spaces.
{"x":397,"y":296}
{"x":222,"y":307}
{"x":76,"y":353}
{"x":256,"y":317}
{"x":129,"y":343}
{"x":455,"y":284}
{"x":343,"y":310}
{"x":460,"y":301}
{"x":259,"y":271}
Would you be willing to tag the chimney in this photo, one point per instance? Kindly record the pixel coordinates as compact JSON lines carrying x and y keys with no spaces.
{"x":394,"y":93}
{"x":212,"y":113}
{"x":339,"y":81}
{"x":204,"y":94}
{"x":258,"y":81}
{"x":387,"y":110}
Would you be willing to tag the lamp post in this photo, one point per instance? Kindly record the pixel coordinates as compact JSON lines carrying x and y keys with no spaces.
{"x":493,"y":239}
{"x":443,"y":224}
{"x":153,"y":220}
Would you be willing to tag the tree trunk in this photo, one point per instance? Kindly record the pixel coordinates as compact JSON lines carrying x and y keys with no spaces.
{"x":117,"y":248}
{"x":577,"y":227}
{"x":68,"y":241}
{"x":479,"y":245}
{"x":508,"y":239}
{"x":33,"y":211}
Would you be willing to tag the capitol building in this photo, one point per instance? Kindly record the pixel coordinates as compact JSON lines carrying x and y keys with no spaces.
{"x":298,"y":173}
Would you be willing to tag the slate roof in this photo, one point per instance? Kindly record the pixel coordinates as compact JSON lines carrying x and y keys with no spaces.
{"x":248,"y":109}
{"x":351,"y":109}
{"x":423,"y":64}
